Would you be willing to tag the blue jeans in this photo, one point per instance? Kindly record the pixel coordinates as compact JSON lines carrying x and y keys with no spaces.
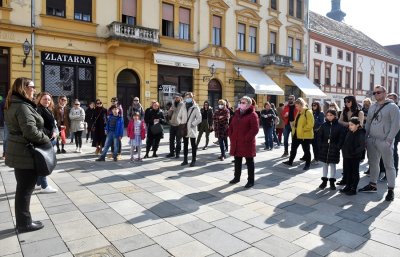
{"x":275,"y":136}
{"x":286,"y":133}
{"x":111,"y":139}
{"x":268,"y":137}
{"x":223,"y":145}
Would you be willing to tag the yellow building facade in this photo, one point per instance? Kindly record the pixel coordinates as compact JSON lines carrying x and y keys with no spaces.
{"x":154,"y":48}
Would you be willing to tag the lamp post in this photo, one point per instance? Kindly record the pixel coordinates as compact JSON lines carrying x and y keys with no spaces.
{"x":26,"y":46}
{"x":238,"y":74}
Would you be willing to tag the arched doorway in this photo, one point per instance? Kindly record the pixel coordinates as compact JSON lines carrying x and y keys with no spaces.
{"x":214,"y":92}
{"x":128,"y":86}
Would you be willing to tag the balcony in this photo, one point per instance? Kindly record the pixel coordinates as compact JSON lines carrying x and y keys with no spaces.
{"x":137,"y":34}
{"x":276,"y":59}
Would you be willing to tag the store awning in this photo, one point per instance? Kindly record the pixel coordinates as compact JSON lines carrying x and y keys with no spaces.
{"x":305,"y":85}
{"x":176,"y":60}
{"x":260,"y":81}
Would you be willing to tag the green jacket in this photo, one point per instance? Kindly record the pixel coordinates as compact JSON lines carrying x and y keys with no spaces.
{"x":24,"y":125}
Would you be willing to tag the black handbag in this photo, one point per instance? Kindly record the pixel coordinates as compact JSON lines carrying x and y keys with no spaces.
{"x":44,"y":158}
{"x":156,"y":129}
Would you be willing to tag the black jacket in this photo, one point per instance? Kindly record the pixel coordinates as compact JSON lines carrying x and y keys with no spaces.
{"x":330,"y":139}
{"x":354,"y":144}
{"x":209,"y":115}
{"x":49,"y":121}
{"x":269,"y":121}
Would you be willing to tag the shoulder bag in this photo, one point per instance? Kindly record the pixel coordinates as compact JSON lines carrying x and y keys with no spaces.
{"x":157,"y":129}
{"x":44,"y":158}
{"x":183,"y":127}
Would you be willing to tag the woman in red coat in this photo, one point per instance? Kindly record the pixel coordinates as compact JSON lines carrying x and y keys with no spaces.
{"x":242,"y":133}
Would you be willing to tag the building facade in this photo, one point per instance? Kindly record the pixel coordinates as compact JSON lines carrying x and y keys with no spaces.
{"x":344,"y":61}
{"x":90,"y":49}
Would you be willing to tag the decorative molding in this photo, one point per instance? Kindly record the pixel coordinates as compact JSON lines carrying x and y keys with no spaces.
{"x":248,"y":16}
{"x":217,"y":5}
{"x":249,"y":4}
{"x":187,"y":3}
{"x":218,"y":51}
{"x":295,"y":31}
{"x":274,"y":22}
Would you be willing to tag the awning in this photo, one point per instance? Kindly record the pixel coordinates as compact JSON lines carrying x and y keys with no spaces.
{"x":176,"y":60}
{"x":305,"y":85}
{"x":260,"y":81}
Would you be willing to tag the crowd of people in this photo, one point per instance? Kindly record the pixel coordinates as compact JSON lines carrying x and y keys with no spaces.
{"x":349,"y":134}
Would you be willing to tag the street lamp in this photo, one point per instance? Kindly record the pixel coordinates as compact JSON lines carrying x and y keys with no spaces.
{"x":238,"y":74}
{"x":26,"y":46}
{"x":212,"y":71}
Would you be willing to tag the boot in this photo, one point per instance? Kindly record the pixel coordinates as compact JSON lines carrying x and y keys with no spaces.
{"x":194,"y":153}
{"x":185,"y":162}
{"x":332,"y":183}
{"x":146,"y":155}
{"x":324,"y":182}
{"x":155,"y":154}
{"x":193,"y":162}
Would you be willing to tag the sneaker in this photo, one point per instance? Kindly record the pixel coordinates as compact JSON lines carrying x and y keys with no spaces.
{"x":285,"y":154}
{"x":390,"y":195}
{"x":48,"y":190}
{"x":368,"y":189}
{"x":63,"y":151}
{"x":249,"y":184}
{"x":115,"y":159}
{"x":101,"y":159}
{"x":119,"y":157}
{"x":109,"y":156}
{"x":234,"y":181}
{"x":288,"y":163}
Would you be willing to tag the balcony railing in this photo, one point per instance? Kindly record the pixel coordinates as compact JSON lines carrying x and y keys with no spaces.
{"x":132,"y":33}
{"x":276,"y":59}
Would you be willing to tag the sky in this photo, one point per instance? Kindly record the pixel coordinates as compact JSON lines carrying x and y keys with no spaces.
{"x":380,"y":20}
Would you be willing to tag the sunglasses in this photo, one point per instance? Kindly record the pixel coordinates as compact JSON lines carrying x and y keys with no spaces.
{"x":347,"y":102}
{"x":98,"y":103}
{"x":377,"y":92}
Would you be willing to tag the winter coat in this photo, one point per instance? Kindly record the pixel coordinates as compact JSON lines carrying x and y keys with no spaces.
{"x":221,"y":122}
{"x":242,"y":133}
{"x":354,"y":144}
{"x":281,"y":123}
{"x":58,"y":117}
{"x":99,"y":123}
{"x":90,"y":116}
{"x":130,"y":130}
{"x":119,"y":126}
{"x":150,"y":116}
{"x":286,"y":111}
{"x":50,"y":125}
{"x":24,"y":125}
{"x":330,"y":138}
{"x":77,"y":118}
{"x":192,"y":118}
{"x":135,"y":108}
{"x":303,"y":124}
{"x":210,"y":115}
{"x":173,"y":113}
{"x":268,"y":118}
{"x":319,"y":119}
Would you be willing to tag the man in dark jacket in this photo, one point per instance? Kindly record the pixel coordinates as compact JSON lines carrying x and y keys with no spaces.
{"x":175,"y":139}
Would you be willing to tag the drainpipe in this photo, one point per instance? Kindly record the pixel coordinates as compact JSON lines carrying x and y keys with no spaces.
{"x":33,"y":25}
{"x":354,"y":73}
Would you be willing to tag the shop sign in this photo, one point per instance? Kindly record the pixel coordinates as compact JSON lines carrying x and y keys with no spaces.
{"x":67,"y":58}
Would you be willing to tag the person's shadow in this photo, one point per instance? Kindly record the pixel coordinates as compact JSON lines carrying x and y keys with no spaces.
{"x":335,"y":222}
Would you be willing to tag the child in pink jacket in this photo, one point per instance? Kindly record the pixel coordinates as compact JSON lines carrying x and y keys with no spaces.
{"x":136,"y":132}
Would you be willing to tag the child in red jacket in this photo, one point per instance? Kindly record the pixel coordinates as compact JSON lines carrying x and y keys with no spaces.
{"x":136,"y":132}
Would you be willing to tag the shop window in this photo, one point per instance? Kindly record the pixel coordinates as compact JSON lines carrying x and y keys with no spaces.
{"x":83,"y":10}
{"x":168,"y":20}
{"x":216,"y":30}
{"x":272,"y":42}
{"x":359,"y":80}
{"x":371,"y":82}
{"x":290,"y":47}
{"x":297,"y":56}
{"x":184,"y":23}
{"x":129,"y":12}
{"x":243,"y":88}
{"x":55,"y":8}
{"x":241,"y":37}
{"x":253,"y":40}
{"x":274,"y":5}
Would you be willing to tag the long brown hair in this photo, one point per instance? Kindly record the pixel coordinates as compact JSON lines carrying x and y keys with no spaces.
{"x":39,"y":98}
{"x":17,"y":87}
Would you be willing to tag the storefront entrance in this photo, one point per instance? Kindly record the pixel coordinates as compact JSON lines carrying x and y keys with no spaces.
{"x":128,"y":87}
{"x":70,"y":75}
{"x":214,"y":93}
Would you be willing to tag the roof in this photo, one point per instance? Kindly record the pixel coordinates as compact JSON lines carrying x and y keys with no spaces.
{"x":394,"y":49}
{"x":345,"y":33}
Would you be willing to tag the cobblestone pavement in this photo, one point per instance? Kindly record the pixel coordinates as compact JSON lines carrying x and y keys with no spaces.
{"x":158,"y":208}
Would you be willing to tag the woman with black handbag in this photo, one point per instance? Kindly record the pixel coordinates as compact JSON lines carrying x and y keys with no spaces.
{"x":154,"y":118}
{"x":45,"y":107}
{"x":98,"y":125}
{"x":25,"y":126}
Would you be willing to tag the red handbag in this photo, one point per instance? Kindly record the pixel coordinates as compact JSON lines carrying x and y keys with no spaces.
{"x":63,"y":137}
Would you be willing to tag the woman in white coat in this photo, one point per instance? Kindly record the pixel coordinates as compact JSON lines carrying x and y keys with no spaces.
{"x":77,"y":117}
{"x":189,"y":117}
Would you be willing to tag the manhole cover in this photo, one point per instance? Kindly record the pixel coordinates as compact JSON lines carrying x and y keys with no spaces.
{"x":108,"y":251}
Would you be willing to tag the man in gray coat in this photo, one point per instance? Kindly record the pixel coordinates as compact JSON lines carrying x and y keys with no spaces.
{"x":175,"y":138}
{"x":383,"y":123}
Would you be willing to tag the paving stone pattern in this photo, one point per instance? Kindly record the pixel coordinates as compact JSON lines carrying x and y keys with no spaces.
{"x":157,"y":208}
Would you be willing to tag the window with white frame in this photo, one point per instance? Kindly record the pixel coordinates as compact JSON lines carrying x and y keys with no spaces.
{"x":317,"y":74}
{"x":129,"y":12}
{"x":290,"y":47}
{"x":297,"y":56}
{"x":371,"y":82}
{"x":272,"y":42}
{"x":348,"y":78}
{"x":328,"y":51}
{"x":327,"y":75}
{"x":274,"y":5}
{"x":252,"y":39}
{"x":317,"y":48}
{"x":339,"y":77}
{"x":216,"y":30}
{"x":241,"y":37}
{"x":184,"y":23}
{"x":340,"y":54}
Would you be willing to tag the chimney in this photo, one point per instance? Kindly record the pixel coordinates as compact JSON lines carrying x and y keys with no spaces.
{"x":336,"y":13}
